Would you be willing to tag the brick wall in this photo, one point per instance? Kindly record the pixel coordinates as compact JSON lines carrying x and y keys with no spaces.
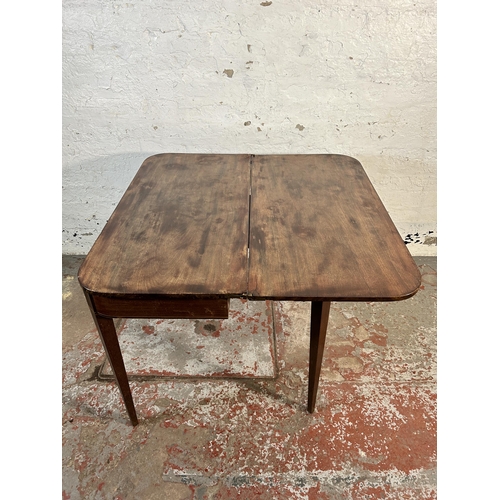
{"x":227,"y":76}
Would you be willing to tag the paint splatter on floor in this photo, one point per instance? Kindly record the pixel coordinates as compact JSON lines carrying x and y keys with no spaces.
{"x":373,"y":434}
{"x":241,"y":345}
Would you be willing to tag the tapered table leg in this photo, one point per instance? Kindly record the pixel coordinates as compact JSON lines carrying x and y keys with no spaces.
{"x":109,"y":338}
{"x":319,"y":325}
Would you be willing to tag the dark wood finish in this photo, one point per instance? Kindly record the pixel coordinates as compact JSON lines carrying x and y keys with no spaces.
{"x":109,"y":339}
{"x":319,"y":325}
{"x":320,"y":232}
{"x":187,"y":236}
{"x":158,"y":306}
{"x":180,"y":229}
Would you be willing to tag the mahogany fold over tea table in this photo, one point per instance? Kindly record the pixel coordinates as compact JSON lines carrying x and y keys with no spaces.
{"x":195,"y":230}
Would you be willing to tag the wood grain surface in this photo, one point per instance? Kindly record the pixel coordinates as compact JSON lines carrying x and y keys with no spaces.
{"x":315,"y":226}
{"x":319,"y":231}
{"x":159,"y":306}
{"x":181,"y":229}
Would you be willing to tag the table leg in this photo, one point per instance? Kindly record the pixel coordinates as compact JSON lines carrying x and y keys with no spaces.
{"x":109,"y":338}
{"x":319,"y":325}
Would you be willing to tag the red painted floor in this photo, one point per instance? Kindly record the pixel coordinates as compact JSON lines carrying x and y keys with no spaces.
{"x":223,"y":414}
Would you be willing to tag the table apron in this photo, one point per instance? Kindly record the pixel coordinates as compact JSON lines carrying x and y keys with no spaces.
{"x":159,"y":307}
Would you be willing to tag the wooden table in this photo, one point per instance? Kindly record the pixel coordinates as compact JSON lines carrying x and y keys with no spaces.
{"x":195,"y":230}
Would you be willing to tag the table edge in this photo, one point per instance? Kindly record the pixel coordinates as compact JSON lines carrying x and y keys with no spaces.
{"x":251,"y":296}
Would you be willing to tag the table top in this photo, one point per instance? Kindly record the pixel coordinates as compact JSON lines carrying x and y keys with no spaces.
{"x":282,"y":227}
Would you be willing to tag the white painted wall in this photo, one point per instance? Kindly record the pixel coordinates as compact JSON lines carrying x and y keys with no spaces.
{"x":356,"y":77}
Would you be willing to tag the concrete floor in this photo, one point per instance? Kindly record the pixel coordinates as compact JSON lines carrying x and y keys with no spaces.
{"x":222,"y":405}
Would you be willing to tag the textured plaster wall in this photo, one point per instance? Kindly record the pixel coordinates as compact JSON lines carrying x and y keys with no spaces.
{"x":355,"y":77}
